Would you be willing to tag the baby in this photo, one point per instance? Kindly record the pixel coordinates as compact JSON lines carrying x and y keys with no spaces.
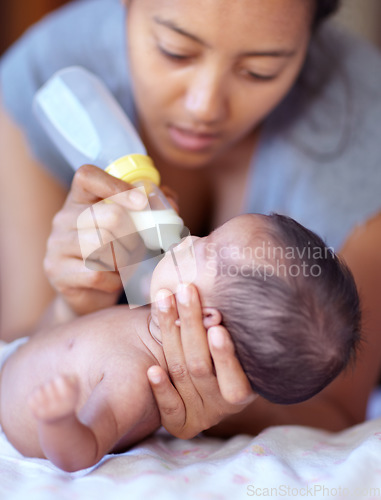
{"x":290,"y":306}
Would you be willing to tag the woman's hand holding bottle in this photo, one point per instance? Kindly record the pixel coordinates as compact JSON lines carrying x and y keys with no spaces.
{"x":88,"y":288}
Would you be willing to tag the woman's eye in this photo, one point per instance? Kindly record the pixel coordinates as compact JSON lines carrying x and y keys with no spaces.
{"x":173,"y":55}
{"x":252,"y":75}
{"x":257,"y":76}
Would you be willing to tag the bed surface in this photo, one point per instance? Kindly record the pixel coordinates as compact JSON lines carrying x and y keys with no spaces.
{"x":281,"y":462}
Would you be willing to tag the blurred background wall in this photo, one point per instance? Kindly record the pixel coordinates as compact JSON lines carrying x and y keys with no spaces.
{"x":361,"y":16}
{"x":17,"y":15}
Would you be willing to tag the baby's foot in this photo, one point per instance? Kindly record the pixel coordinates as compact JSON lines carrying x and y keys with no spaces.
{"x":56,"y":399}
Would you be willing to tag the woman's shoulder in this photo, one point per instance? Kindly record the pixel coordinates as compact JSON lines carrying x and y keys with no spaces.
{"x":320,"y":153}
{"x":343,"y":66}
{"x":338,"y":91}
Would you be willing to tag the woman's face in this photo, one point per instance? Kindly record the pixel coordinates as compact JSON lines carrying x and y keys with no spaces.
{"x":207,"y":72}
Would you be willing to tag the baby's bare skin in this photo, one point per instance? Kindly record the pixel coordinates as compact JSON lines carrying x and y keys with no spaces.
{"x":74,"y":394}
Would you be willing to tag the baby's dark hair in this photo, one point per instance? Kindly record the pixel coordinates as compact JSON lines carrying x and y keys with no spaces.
{"x":294,"y":331}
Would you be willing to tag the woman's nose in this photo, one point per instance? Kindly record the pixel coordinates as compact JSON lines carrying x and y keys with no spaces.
{"x":206,"y":99}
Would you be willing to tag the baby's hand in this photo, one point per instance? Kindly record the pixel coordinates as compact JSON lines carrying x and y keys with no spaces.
{"x":55,"y":399}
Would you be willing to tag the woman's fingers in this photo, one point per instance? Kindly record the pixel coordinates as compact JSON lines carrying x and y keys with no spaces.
{"x":193,"y":336}
{"x":181,"y":406}
{"x":91,"y":184}
{"x":198,"y":349}
{"x":194,"y":341}
{"x":180,"y":421}
{"x":185,"y":410}
{"x":170,"y":404}
{"x":171,"y":339}
{"x":232,"y":381}
{"x":75,"y":275}
{"x":201,"y":395}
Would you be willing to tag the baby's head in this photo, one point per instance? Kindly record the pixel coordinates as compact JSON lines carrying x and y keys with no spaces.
{"x":290,"y":305}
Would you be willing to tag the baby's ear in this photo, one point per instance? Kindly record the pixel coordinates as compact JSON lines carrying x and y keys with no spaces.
{"x":211,"y":317}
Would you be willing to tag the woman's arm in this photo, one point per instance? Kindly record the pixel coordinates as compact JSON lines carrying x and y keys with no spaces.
{"x":40,"y":256}
{"x":29,"y":197}
{"x":341,"y":404}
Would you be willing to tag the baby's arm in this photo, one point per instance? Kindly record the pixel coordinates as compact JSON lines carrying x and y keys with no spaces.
{"x":76,"y":440}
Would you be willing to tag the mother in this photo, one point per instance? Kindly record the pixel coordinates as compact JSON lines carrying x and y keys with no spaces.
{"x":246,"y":105}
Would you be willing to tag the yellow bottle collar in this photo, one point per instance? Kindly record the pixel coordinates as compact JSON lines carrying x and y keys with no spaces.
{"x":134,"y":168}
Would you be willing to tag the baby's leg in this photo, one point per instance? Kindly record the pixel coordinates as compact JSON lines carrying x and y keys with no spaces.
{"x":65,"y":441}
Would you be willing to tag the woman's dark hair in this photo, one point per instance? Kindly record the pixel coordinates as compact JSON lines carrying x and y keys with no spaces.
{"x":324,"y":9}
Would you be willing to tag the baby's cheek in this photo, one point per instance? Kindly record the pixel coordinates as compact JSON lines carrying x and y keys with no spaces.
{"x":177,"y":266}
{"x":164,"y":276}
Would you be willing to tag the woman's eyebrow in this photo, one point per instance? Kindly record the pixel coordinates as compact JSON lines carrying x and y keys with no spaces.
{"x":255,"y":53}
{"x":173,"y":26}
{"x":270,"y":53}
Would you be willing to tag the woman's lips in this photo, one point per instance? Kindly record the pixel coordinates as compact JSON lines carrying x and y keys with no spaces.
{"x":190,"y":140}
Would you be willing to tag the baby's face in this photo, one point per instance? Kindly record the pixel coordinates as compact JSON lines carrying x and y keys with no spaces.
{"x":195,"y":259}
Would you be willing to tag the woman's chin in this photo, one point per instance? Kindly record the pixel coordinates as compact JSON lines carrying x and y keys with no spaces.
{"x":186,"y":159}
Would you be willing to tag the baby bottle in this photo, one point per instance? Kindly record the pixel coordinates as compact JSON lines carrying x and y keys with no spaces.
{"x":88,"y":126}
